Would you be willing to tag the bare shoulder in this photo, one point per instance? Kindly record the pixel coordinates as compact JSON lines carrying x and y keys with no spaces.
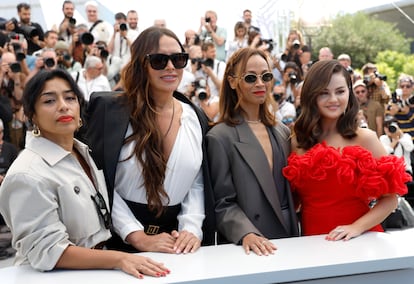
{"x":369,"y":140}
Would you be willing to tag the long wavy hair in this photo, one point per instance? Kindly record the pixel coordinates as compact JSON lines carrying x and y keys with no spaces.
{"x":307,"y":127}
{"x":230,"y":99}
{"x":149,"y":139}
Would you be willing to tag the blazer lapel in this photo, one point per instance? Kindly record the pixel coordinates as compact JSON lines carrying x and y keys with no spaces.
{"x":252,"y":152}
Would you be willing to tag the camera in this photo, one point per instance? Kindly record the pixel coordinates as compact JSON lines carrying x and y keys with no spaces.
{"x":350,"y":70}
{"x":293,"y":79}
{"x":269,"y":43}
{"x":277,"y":97}
{"x":17,"y":48}
{"x":200,"y":89}
{"x":3,"y":24}
{"x":29,"y":31}
{"x":104,"y":53}
{"x":392,"y":128}
{"x":72,"y":21}
{"x":15,"y":36}
{"x":15,"y":67}
{"x":206,"y":62}
{"x":123,"y":27}
{"x":208,"y":19}
{"x":296,"y":44}
{"x":367,"y":78}
{"x":49,"y":62}
{"x":86,"y":38}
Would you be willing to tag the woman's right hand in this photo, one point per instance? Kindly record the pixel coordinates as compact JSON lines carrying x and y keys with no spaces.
{"x":259,"y":245}
{"x":137,"y":265}
{"x":163,"y":242}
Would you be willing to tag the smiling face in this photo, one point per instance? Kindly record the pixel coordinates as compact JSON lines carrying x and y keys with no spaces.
{"x":167,"y":79}
{"x":57,"y":111}
{"x":333,"y":100}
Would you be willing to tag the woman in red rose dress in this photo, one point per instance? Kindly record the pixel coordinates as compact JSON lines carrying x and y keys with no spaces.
{"x":337,"y":169}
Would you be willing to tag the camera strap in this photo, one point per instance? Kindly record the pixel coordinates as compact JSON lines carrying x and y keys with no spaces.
{"x":94,"y":25}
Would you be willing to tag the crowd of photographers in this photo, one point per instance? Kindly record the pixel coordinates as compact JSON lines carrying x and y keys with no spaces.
{"x":95,"y":51}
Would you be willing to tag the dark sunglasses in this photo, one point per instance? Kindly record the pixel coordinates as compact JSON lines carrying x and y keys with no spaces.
{"x":158,"y":61}
{"x":252,"y":78}
{"x":405,"y":86}
{"x":102,"y":209}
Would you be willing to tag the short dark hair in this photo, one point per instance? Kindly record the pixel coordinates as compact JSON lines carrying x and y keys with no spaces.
{"x":66,"y":2}
{"x":120,"y":16}
{"x":23,"y":6}
{"x":36,"y":84}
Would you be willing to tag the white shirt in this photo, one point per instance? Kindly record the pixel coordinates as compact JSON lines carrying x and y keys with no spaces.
{"x":403,"y":149}
{"x":218,"y":69}
{"x":183,"y":180}
{"x":46,"y":201}
{"x":98,"y":84}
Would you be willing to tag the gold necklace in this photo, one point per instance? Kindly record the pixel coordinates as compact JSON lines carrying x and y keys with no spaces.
{"x":254,"y":121}
{"x":172,"y":118}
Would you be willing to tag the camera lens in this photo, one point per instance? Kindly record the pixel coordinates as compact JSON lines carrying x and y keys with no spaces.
{"x":15,"y":67}
{"x":123,"y":27}
{"x":49,"y":62}
{"x":72,"y":21}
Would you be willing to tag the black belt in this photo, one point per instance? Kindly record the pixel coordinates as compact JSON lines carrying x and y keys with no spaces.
{"x":154,"y":225}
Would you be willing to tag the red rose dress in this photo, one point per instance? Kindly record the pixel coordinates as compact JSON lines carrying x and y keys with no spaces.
{"x":335,"y":187}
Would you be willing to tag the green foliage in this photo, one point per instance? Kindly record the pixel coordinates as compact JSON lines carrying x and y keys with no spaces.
{"x":393,"y":64}
{"x":362,"y":37}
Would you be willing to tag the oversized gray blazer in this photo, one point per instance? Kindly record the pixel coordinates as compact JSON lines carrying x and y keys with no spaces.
{"x":245,"y":197}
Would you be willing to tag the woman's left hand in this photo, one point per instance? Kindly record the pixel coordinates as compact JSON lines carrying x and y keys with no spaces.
{"x":345,"y":232}
{"x":185,"y":242}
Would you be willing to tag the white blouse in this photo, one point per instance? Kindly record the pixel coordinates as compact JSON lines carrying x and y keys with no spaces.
{"x":183,"y":180}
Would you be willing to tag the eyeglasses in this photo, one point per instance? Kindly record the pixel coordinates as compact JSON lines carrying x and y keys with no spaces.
{"x":102,"y":209}
{"x":405,"y":86}
{"x":252,"y":78}
{"x":158,"y":61}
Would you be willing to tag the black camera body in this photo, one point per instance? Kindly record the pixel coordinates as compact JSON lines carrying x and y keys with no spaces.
{"x":293,"y":78}
{"x":104,"y":53}
{"x":86,"y":38}
{"x":15,"y":67}
{"x":72,"y":22}
{"x":277,"y":97}
{"x":392,"y":128}
{"x":49,"y":62}
{"x":200,"y":61}
{"x":200,"y":89}
{"x":367,"y":78}
{"x":208,"y":19}
{"x":3,"y":24}
{"x":123,"y":27}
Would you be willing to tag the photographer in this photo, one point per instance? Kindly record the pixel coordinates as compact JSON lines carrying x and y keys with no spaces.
{"x":291,"y":78}
{"x":67,"y":26}
{"x":378,"y":89}
{"x":200,"y":96}
{"x":32,"y":31}
{"x":65,"y":60}
{"x":210,"y":32}
{"x":47,"y":59}
{"x":286,"y":111}
{"x":209,"y":68}
{"x":396,"y":142}
{"x":121,"y":41}
{"x":293,"y":50}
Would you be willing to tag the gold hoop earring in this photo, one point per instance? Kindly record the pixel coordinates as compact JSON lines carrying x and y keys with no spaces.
{"x":36,"y":131}
{"x":80,"y":123}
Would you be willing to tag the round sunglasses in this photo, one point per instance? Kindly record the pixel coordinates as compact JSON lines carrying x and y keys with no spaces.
{"x":159,"y":61}
{"x":252,"y":78}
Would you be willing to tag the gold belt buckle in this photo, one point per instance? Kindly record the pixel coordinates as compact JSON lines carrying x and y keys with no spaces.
{"x":152,"y":230}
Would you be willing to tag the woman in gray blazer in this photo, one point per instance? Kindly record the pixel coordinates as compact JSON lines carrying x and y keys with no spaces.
{"x":247,"y":150}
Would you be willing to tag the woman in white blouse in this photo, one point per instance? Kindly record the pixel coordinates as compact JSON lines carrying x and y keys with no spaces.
{"x":149,"y":142}
{"x":53,"y":198}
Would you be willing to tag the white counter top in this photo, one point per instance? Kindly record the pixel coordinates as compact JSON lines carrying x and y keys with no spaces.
{"x":297,"y":259}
